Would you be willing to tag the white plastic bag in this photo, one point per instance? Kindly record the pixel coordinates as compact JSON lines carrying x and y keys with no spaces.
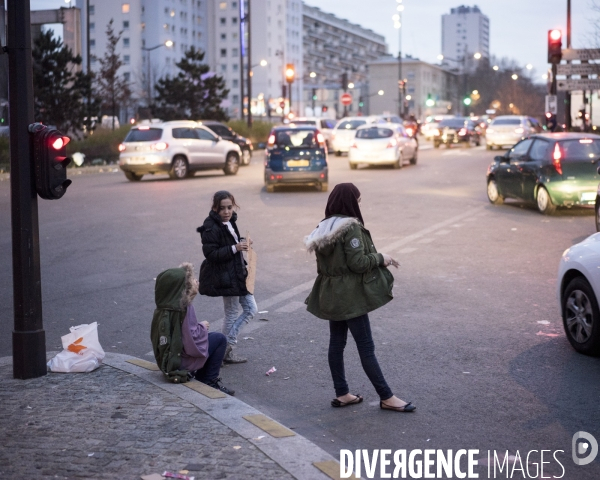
{"x":82,"y":351}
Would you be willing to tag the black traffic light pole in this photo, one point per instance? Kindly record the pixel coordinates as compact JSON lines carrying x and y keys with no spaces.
{"x":568,"y":119}
{"x":29,"y":339}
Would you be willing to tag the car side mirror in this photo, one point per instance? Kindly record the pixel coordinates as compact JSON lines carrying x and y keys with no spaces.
{"x":598,"y":170}
{"x":219,"y":138}
{"x":500,"y":159}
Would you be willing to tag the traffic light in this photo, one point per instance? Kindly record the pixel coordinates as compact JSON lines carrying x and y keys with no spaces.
{"x":49,"y":161}
{"x":361,"y":102}
{"x":324,"y":108}
{"x":430,"y":102}
{"x":284,"y":91}
{"x":290,"y":73}
{"x":344,"y":81}
{"x":554,"y":46}
{"x":314,"y":93}
{"x":550,"y":122}
{"x":467,"y":101}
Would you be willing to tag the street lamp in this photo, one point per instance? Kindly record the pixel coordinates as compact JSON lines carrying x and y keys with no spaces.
{"x":290,"y":75}
{"x":168,"y":44}
{"x":397,"y":18}
{"x":514,"y":76}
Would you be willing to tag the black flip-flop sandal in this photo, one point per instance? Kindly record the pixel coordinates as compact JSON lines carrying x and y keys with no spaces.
{"x":409,"y":407}
{"x":337,"y":404}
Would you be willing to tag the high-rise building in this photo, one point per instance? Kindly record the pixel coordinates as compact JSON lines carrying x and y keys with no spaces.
{"x":465,"y":32}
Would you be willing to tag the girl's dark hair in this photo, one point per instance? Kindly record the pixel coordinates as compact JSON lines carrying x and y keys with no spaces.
{"x":222,"y":195}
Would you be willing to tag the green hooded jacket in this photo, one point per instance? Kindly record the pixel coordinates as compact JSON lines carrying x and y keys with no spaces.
{"x":173,"y":293}
{"x":351,"y":280}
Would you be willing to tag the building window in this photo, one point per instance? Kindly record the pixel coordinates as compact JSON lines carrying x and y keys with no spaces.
{"x":126,"y":59}
{"x":126,"y":76}
{"x":166,"y":27}
{"x":234,"y":52}
{"x":235,"y":84}
{"x":234,"y":5}
{"x":223,"y":21}
{"x":223,"y":67}
{"x":235,"y":99}
{"x":223,"y":5}
{"x":92,"y":42}
{"x":92,"y":10}
{"x":92,"y":26}
{"x":235,"y":67}
{"x":223,"y":52}
{"x":125,"y":8}
{"x":126,"y":25}
{"x":125,"y":42}
{"x":223,"y":36}
{"x":234,"y":20}
{"x":172,"y":13}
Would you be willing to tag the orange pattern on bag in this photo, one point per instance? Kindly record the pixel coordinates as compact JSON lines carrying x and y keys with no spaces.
{"x":75,"y":348}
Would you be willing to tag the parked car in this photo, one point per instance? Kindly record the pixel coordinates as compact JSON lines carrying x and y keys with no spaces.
{"x":578,"y":291}
{"x":508,"y":130}
{"x":324,"y":125}
{"x":452,"y":131}
{"x":382,"y":144}
{"x":226,"y":133}
{"x":431,"y":125}
{"x":343,"y":133}
{"x":548,"y":170}
{"x":178,"y":148}
{"x":296,"y":155}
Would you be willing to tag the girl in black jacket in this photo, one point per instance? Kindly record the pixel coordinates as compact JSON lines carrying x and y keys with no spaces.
{"x":223,"y":273}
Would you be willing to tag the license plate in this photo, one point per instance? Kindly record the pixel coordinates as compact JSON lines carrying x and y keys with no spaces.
{"x":588,"y":196}
{"x":300,"y":163}
{"x":143,"y":160}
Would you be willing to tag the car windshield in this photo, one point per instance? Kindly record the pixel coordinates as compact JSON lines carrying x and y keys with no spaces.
{"x":584,"y":149}
{"x":143,"y":135}
{"x":292,"y":138}
{"x":374,"y":132}
{"x":351,"y":124}
{"x":452,"y":123}
{"x":507,"y":121}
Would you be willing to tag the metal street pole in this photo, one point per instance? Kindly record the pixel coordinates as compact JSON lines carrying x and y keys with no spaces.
{"x":28,"y":338}
{"x":400,"y":79}
{"x":568,"y":119}
{"x":242,"y":60}
{"x":290,"y":96}
{"x":249,"y":50}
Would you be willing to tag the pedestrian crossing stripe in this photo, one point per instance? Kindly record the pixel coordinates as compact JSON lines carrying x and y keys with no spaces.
{"x":270,"y":426}
{"x":205,"y":389}
{"x":144,"y":364}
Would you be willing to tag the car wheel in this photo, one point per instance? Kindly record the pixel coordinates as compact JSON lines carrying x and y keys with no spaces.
{"x":232,"y":164}
{"x":324,"y":186}
{"x":246,"y":157}
{"x":598,"y":214}
{"x":544,"y":202}
{"x":581,"y":317}
{"x":493,"y":194}
{"x":448,"y":145}
{"x":353,"y":166}
{"x":488,"y":147}
{"x":133,"y":177}
{"x":413,"y":160}
{"x":270,"y":188}
{"x":338,"y":154}
{"x":436,"y":144}
{"x":398,"y":163}
{"x":179,"y":169}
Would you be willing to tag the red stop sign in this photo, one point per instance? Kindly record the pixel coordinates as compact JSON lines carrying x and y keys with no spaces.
{"x":346,"y":99}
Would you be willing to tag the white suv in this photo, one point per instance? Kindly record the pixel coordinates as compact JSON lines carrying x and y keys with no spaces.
{"x":178,"y":148}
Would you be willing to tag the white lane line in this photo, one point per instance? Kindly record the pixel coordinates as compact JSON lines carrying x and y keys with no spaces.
{"x":407,"y":250}
{"x":427,"y":240}
{"x":457,"y":225}
{"x":456,"y":153}
{"x":291,"y":307}
{"x":443,"y":232}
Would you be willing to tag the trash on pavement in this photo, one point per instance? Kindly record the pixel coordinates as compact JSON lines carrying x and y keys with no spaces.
{"x":264,"y":319}
{"x":236,"y":447}
{"x":248,"y":338}
{"x":264,"y":311}
{"x":271,"y":370}
{"x":152,"y":476}
{"x":176,"y":475}
{"x":548,"y":334}
{"x":543,"y":322}
{"x":82,"y":351}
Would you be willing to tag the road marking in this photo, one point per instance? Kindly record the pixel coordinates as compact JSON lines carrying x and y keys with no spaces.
{"x":291,"y":307}
{"x":270,"y":426}
{"x":144,"y":364}
{"x":427,"y":240}
{"x":456,"y":153}
{"x":205,"y":390}
{"x":443,"y":232}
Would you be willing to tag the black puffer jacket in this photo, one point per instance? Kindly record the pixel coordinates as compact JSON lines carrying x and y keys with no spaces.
{"x":223,"y":273}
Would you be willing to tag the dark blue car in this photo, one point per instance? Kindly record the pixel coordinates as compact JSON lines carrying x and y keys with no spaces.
{"x":296,"y":155}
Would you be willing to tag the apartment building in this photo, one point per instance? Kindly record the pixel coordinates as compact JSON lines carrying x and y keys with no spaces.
{"x":465,"y":32}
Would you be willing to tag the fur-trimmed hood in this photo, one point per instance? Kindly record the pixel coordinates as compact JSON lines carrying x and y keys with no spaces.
{"x":328,"y":232}
{"x":176,"y":288}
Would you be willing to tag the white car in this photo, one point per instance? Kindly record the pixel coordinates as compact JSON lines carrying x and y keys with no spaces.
{"x":382,"y":144}
{"x":178,"y":148}
{"x":324,"y":125}
{"x":507,"y":130}
{"x":342,"y":136}
{"x":578,"y":290}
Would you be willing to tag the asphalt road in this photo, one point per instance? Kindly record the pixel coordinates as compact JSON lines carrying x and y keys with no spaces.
{"x":473,"y":337}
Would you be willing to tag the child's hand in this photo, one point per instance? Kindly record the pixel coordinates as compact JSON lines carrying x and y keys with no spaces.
{"x":206,"y":324}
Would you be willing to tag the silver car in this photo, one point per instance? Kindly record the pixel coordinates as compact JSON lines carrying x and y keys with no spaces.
{"x":382,"y":144}
{"x":179,"y":148}
{"x":507,"y":130}
{"x":324,"y":125}
{"x":342,"y":136}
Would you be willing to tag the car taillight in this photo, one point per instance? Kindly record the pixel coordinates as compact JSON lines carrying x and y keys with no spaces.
{"x":409,"y":131}
{"x":556,"y":159}
{"x":354,"y":145}
{"x":160,"y":146}
{"x":271,"y":140}
{"x":519,"y":130}
{"x":122,"y":147}
{"x":392,"y":143}
{"x":462,"y":132}
{"x":320,"y":138}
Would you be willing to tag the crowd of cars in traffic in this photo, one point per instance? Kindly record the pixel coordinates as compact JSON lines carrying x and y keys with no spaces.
{"x":547,"y":170}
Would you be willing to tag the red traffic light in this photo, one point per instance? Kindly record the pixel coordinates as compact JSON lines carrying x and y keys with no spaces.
{"x":555,"y":34}
{"x":60,"y":142}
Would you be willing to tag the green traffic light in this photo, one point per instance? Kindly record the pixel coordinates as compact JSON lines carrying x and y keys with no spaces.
{"x":467,"y":101}
{"x":430,"y":102}
{"x":314,"y":97}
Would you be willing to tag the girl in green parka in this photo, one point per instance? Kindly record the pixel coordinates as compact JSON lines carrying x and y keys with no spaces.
{"x":352,"y":280}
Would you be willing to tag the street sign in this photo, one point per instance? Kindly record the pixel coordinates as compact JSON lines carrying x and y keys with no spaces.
{"x":578,"y":69}
{"x":551,"y":104}
{"x":578,"y":84}
{"x":346,"y":99}
{"x":581,"y":54}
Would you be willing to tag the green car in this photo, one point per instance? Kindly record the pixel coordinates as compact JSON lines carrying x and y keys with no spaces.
{"x":548,"y":170}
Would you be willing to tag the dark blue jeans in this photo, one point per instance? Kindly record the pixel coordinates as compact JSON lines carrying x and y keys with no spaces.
{"x":217,"y":343}
{"x":360,"y":328}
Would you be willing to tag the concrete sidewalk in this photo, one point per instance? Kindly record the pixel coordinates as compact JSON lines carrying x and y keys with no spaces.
{"x":126,"y":421}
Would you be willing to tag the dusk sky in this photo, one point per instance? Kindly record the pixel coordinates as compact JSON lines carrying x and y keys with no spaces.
{"x":518,"y":28}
